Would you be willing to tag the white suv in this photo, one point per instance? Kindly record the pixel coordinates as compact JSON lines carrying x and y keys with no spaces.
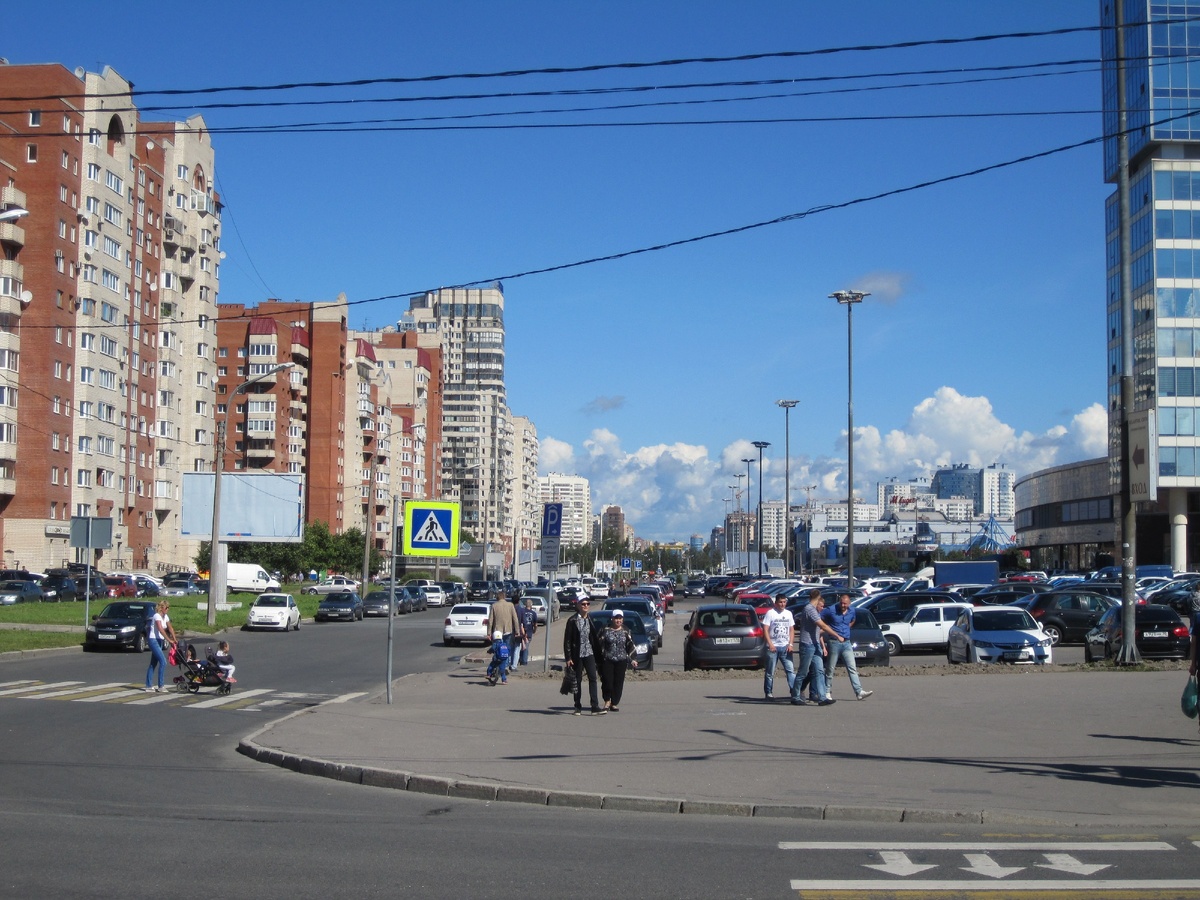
{"x":926,"y":626}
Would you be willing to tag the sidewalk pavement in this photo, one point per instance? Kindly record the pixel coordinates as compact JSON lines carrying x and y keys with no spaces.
{"x":1004,"y":746}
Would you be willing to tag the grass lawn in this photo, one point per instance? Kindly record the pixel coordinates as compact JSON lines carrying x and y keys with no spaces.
{"x":184,"y":616}
{"x":37,"y":640}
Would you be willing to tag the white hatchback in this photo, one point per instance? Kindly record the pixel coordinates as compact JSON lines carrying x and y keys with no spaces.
{"x":274,"y":611}
{"x":466,"y":622}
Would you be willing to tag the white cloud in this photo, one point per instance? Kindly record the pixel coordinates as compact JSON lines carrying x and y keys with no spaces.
{"x":669,"y":491}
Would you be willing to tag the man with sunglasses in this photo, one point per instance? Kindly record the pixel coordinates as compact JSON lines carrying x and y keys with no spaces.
{"x":581,"y":650}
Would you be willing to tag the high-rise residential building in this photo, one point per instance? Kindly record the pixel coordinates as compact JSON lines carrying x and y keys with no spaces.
{"x":477,"y":464}
{"x":99,"y":415}
{"x":774,"y":525}
{"x":527,"y":510}
{"x":990,"y":489}
{"x":574,"y":492}
{"x":1162,"y":91}
{"x":612,"y":524}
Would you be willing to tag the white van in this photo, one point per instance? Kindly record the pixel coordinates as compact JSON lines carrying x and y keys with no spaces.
{"x":249,"y":577}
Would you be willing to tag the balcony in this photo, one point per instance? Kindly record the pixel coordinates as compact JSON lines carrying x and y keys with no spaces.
{"x":8,"y":482}
{"x":13,"y":234}
{"x":15,"y":272}
{"x":187,"y":271}
{"x":10,"y":340}
{"x":265,"y":451}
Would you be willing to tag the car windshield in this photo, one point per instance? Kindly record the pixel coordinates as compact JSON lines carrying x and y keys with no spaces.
{"x":641,"y":608}
{"x":1003,"y":620}
{"x":13,"y":586}
{"x":377,"y":597}
{"x":728,"y":616}
{"x":864,"y":619}
{"x":114,"y":582}
{"x":125,"y":611}
{"x":633,"y":624}
{"x":338,"y":598}
{"x":480,"y":585}
{"x":271,"y":601}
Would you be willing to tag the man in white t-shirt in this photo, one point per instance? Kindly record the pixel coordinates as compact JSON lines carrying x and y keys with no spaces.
{"x":780,"y":629}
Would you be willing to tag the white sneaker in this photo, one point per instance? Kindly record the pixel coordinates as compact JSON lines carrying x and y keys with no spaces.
{"x":863,"y":695}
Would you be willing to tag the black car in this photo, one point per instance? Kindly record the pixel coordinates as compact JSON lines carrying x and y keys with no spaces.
{"x":120,"y":624}
{"x":894,"y":605}
{"x":61,"y":589}
{"x":1159,"y":634}
{"x":694,"y":587}
{"x":340,"y":605}
{"x":481,"y":591}
{"x":1008,"y":587}
{"x":724,"y":637}
{"x":643,"y":641}
{"x":1066,"y":616}
{"x":644,"y":608}
{"x":455,"y":591}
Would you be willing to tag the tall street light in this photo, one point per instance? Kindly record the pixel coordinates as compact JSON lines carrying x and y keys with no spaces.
{"x":787,"y":482}
{"x":745,"y":526}
{"x":217,"y":556}
{"x":761,"y":445}
{"x":848,"y":299}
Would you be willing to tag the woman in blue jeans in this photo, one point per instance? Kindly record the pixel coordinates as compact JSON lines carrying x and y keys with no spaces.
{"x":161,"y":633}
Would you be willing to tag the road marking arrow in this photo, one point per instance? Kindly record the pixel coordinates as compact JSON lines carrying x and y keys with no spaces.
{"x":982,"y":864}
{"x":1065,"y":862}
{"x":896,"y":863}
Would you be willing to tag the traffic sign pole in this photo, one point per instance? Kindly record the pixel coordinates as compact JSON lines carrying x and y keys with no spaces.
{"x":551,"y":536}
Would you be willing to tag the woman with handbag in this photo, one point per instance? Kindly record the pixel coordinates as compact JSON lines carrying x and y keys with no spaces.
{"x":616,"y":655}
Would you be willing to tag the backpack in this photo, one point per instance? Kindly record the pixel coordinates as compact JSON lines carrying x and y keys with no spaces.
{"x":500,"y":648}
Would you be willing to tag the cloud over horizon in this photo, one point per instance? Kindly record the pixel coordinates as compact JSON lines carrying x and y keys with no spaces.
{"x":670,"y":491}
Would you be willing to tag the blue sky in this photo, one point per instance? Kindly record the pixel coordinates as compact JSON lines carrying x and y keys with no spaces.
{"x":651,"y":374}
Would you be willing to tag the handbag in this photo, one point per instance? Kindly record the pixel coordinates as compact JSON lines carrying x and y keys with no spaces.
{"x":568,"y":682}
{"x":1188,"y":702}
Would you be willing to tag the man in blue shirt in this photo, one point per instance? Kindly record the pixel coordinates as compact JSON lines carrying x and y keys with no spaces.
{"x":840,"y":617}
{"x":811,"y":627}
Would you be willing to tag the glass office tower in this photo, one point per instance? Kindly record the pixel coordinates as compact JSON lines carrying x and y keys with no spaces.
{"x":1162,"y":49}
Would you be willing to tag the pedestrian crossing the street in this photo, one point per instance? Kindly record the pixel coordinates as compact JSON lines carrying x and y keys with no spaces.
{"x":1041,"y":868}
{"x":249,"y":700}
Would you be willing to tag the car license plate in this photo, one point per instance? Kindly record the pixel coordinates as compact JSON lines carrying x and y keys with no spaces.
{"x":1014,"y":654}
{"x":107,"y":637}
{"x":1150,"y":634}
{"x":727,"y":640}
{"x":860,"y":654}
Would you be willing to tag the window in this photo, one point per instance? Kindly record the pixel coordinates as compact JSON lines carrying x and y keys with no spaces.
{"x":111,"y":281}
{"x":93,"y":172}
{"x":31,"y":153}
{"x":112,"y":215}
{"x":86,"y":409}
{"x":55,"y":441}
{"x":83,"y":477}
{"x":108,"y":346}
{"x":85,"y":445}
{"x":114,"y":182}
{"x":108,"y":312}
{"x":35,"y":118}
{"x":87,"y":375}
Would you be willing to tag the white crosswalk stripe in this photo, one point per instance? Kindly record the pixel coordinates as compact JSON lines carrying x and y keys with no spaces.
{"x":127,"y":694}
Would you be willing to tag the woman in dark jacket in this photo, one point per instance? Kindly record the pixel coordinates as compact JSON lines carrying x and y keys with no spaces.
{"x":616,"y":654}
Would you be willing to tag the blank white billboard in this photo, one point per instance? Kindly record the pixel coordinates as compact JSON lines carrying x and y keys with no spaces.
{"x":255,"y":506}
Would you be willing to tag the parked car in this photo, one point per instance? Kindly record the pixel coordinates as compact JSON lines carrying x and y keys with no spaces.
{"x":274,"y":611}
{"x":181,"y":585}
{"x":454,"y":591}
{"x":1007,"y":588}
{"x":646,"y":610}
{"x":723,"y":637}
{"x":1066,"y":616}
{"x":484,"y":591}
{"x":381,"y":603}
{"x":1159,"y":634}
{"x":569,"y":596}
{"x":643,"y":641}
{"x":694,"y":587}
{"x":866,"y":637}
{"x":924,"y":627}
{"x":466,"y":622}
{"x":888,"y":607}
{"x":332,"y":585}
{"x":121,"y":624}
{"x":120,"y":586}
{"x":20,"y":592}
{"x":434,"y":595}
{"x":990,"y":634}
{"x":342,"y":605}
{"x":60,"y":589}
{"x":419,"y":603}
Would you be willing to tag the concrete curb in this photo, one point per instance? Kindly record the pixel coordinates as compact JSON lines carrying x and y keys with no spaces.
{"x":470,"y":789}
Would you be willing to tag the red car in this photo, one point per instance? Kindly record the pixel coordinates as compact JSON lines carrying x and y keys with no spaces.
{"x":120,"y":586}
{"x":760,"y":602}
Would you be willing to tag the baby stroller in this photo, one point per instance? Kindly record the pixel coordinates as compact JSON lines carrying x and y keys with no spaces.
{"x":197,"y":673}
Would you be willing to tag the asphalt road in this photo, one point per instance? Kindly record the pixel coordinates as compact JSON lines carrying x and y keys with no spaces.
{"x":138,"y":800}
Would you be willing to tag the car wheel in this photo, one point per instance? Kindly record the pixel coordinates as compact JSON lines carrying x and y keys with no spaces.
{"x":950,"y":656}
{"x":649,"y":667}
{"x":1087,"y":653}
{"x":448,"y":642}
{"x":310,"y":590}
{"x":973,"y":655}
{"x":139,"y":643}
{"x":297,"y":628}
{"x":1054,"y":632}
{"x":894,"y":645}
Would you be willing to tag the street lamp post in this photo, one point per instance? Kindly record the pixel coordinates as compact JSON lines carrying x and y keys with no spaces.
{"x":758,"y":544}
{"x":217,"y":568}
{"x":848,"y":299}
{"x":787,"y":405}
{"x":745,"y":529}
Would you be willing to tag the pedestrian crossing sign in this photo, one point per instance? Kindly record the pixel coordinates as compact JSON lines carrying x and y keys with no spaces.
{"x":431,"y":528}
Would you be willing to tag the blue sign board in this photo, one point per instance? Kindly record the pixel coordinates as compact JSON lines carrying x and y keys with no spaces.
{"x":552,"y":520}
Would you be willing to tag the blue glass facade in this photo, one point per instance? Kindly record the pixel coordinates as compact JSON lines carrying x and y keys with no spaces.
{"x":1162,"y":90}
